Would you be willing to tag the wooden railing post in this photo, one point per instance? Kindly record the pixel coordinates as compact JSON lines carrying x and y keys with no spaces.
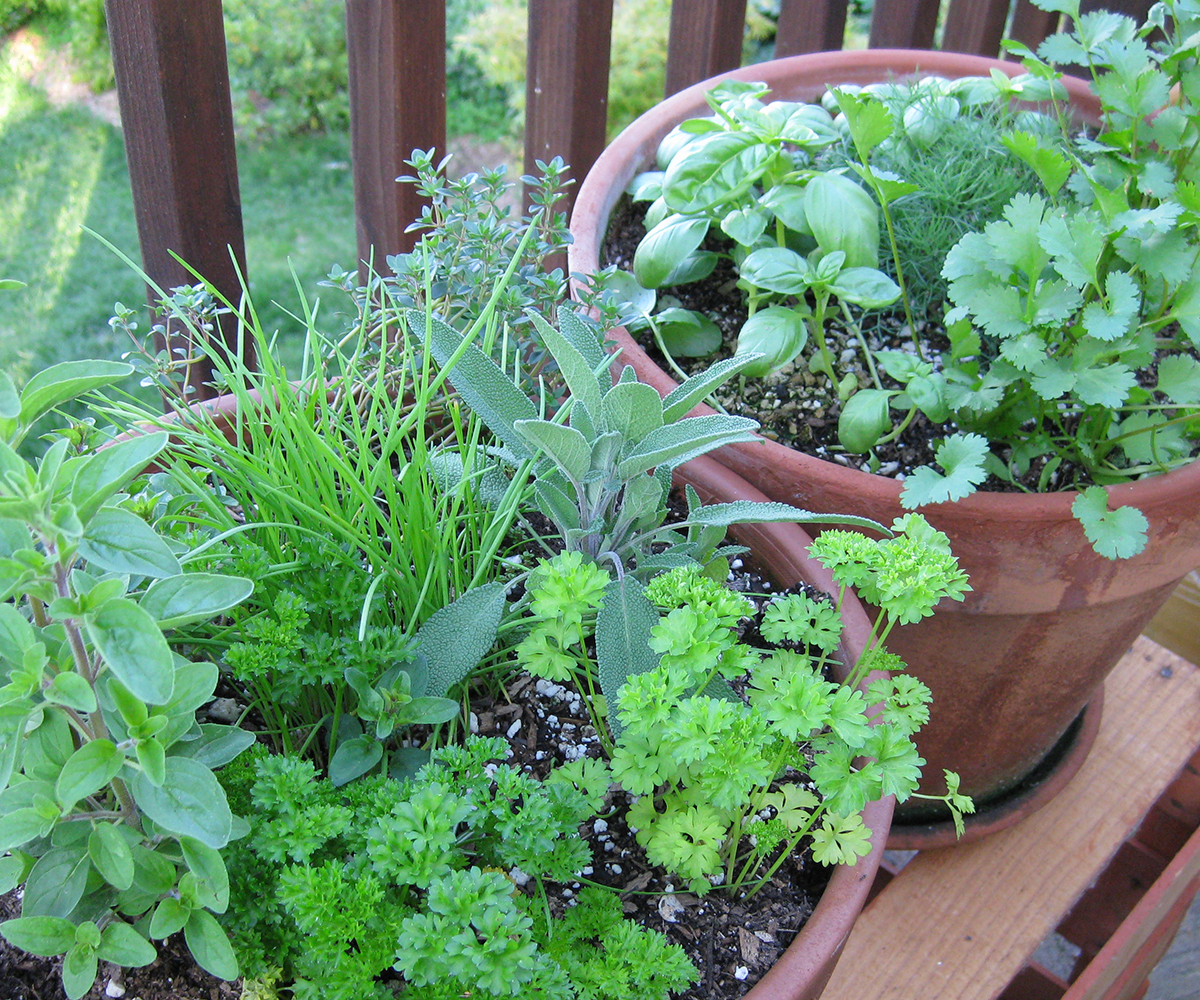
{"x":903,"y":24}
{"x":397,"y":53}
{"x":1031,"y":24}
{"x":173,"y":87}
{"x":975,"y":26}
{"x":810,"y":26}
{"x":566,"y":84}
{"x":705,"y":39}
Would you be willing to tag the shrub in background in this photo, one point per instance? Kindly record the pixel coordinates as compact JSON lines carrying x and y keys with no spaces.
{"x":288,"y":70}
{"x":494,"y":37}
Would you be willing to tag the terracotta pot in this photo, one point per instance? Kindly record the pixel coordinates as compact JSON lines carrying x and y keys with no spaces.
{"x":781,"y":551}
{"x":1013,"y":665}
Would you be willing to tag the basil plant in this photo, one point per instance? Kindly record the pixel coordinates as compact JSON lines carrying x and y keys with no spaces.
{"x":801,"y":236}
{"x":110,"y":815}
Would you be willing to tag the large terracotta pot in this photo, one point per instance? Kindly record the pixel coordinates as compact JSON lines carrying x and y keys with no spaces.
{"x":781,"y":551}
{"x":1013,"y":666}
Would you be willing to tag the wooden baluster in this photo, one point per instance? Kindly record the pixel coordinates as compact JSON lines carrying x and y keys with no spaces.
{"x":903,"y":24}
{"x":975,"y":26}
{"x":810,"y":26}
{"x":705,"y":39}
{"x":173,"y":88}
{"x":397,"y":53}
{"x":566,"y":85}
{"x":1031,"y":24}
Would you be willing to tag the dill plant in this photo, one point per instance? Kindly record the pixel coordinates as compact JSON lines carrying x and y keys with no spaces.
{"x":948,"y":144}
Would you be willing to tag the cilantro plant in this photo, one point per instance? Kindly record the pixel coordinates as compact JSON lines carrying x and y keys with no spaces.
{"x":798,"y":232}
{"x":708,"y":764}
{"x":110,"y":816}
{"x":334,"y":886}
{"x":1075,"y":328}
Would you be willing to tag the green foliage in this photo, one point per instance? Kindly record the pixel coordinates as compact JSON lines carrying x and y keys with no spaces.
{"x":749,"y":172}
{"x":335,"y":885}
{"x":468,"y":242}
{"x":1069,"y":305}
{"x":369,"y":526}
{"x":605,"y":955}
{"x":704,"y":762}
{"x":605,"y":460}
{"x":946,"y":140}
{"x":494,"y":39}
{"x":107,"y":793}
{"x":287,"y":64}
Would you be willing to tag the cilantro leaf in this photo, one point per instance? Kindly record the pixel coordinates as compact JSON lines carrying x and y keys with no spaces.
{"x":962,"y":456}
{"x":1179,"y":379}
{"x":1108,"y":385}
{"x":1112,"y":321}
{"x":1114,"y":534}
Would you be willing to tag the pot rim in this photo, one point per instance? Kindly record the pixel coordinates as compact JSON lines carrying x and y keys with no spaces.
{"x":624,"y":157}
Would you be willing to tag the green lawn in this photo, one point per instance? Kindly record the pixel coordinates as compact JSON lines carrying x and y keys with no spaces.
{"x":62,"y":170}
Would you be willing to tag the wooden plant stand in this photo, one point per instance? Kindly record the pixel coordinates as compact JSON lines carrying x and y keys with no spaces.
{"x":1111,"y":865}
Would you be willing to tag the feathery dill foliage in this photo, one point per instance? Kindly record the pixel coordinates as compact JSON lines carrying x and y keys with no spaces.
{"x":964,"y":174}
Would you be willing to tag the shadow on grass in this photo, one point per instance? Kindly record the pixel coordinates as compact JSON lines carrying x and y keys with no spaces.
{"x":62,"y":169}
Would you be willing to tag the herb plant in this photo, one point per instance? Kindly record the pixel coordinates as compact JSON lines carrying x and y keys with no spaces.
{"x":949,"y":169}
{"x":709,"y":765}
{"x":468,"y":243}
{"x":334,"y":886}
{"x":112,"y":819}
{"x":336,"y":496}
{"x":750,"y":171}
{"x":1074,"y":331}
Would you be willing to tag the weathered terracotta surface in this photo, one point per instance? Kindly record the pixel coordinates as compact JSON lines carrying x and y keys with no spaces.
{"x":781,"y":550}
{"x":1014,"y":664}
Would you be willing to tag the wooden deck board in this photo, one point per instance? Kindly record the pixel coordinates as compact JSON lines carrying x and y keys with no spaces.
{"x":961,"y":922}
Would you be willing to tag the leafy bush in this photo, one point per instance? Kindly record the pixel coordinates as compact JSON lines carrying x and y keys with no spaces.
{"x":288,"y":69}
{"x":494,"y":38}
{"x":77,"y":24}
{"x":287,"y":64}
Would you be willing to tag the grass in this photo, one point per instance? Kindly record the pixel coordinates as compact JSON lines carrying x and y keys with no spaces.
{"x":62,"y":169}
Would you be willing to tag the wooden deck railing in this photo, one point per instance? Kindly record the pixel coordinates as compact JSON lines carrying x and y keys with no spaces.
{"x":173,"y":86}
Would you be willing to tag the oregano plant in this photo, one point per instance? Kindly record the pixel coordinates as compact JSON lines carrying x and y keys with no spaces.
{"x":110,"y":816}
